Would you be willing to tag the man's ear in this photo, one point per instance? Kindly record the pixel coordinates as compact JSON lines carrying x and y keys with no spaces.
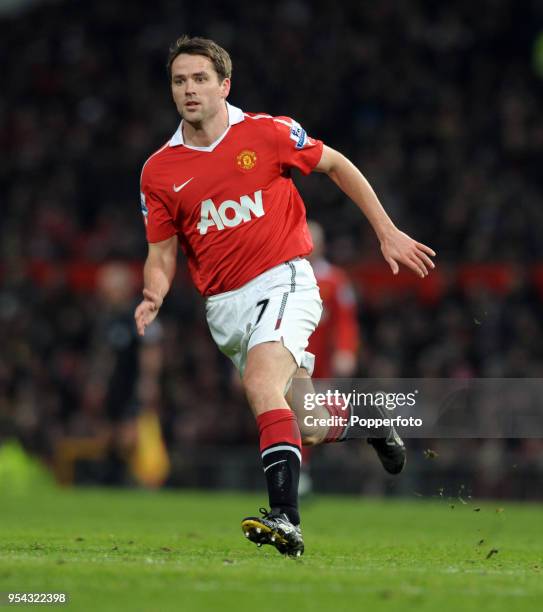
{"x":225,"y":86}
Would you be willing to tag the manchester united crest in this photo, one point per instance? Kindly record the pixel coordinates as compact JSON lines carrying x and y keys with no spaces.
{"x":246,"y":160}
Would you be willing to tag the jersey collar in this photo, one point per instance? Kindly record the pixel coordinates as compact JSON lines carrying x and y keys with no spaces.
{"x":235,"y":115}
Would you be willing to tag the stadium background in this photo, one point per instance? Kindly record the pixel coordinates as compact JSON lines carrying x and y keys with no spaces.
{"x":439,"y":105}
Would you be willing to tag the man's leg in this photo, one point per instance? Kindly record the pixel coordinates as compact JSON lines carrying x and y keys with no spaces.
{"x":387,"y":444}
{"x":269,"y":368}
{"x":315,"y":434}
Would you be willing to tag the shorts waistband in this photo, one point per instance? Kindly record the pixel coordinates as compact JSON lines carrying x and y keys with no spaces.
{"x":253,"y":282}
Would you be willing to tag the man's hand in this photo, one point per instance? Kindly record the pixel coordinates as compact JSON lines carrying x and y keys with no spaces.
{"x":158,"y":273}
{"x":147,"y":310}
{"x":397,"y":247}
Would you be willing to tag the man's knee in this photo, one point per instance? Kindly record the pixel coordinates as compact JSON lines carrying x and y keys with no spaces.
{"x":256,"y":383}
{"x":311,"y":439}
{"x":269,"y":368}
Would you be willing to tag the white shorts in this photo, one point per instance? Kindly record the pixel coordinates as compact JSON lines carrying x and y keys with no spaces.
{"x":282,"y":304}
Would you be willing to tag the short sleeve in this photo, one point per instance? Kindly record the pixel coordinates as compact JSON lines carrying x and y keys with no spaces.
{"x":296,"y":148}
{"x":159,"y":224}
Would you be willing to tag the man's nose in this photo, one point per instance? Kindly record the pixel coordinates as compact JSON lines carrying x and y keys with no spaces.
{"x":189,"y":86}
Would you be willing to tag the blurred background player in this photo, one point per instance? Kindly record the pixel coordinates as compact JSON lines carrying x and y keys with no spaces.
{"x":115,"y":437}
{"x":336,"y":340}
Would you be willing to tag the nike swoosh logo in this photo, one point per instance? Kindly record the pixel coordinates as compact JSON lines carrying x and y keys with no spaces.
{"x":176,"y":188}
{"x":272,"y":464}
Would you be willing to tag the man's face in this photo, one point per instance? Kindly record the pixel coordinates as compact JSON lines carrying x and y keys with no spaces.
{"x":196,"y":89}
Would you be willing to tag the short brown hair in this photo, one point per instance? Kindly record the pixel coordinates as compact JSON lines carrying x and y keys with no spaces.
{"x":202,"y":46}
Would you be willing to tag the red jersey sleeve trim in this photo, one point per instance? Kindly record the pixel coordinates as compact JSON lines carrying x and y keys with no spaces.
{"x":296,"y":148}
{"x":159,"y":236}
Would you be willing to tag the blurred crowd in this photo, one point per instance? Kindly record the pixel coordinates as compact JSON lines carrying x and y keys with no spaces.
{"x":437,"y":103}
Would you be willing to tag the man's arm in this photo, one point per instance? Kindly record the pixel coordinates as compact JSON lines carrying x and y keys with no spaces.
{"x":158,"y":275}
{"x":396,"y":246}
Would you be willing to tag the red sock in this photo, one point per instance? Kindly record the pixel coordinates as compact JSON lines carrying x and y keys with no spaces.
{"x":336,"y":432}
{"x":277,"y":426}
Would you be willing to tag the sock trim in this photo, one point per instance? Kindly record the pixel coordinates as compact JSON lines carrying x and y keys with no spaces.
{"x":280,"y":447}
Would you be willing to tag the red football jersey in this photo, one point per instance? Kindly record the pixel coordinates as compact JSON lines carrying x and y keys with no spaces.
{"x":338,"y":328}
{"x":233,"y":205}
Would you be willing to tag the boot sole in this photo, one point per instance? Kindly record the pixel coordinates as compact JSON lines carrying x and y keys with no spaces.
{"x":255,"y":531}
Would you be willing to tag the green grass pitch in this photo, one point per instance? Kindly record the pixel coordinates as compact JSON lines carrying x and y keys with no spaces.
{"x":137,"y":550}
